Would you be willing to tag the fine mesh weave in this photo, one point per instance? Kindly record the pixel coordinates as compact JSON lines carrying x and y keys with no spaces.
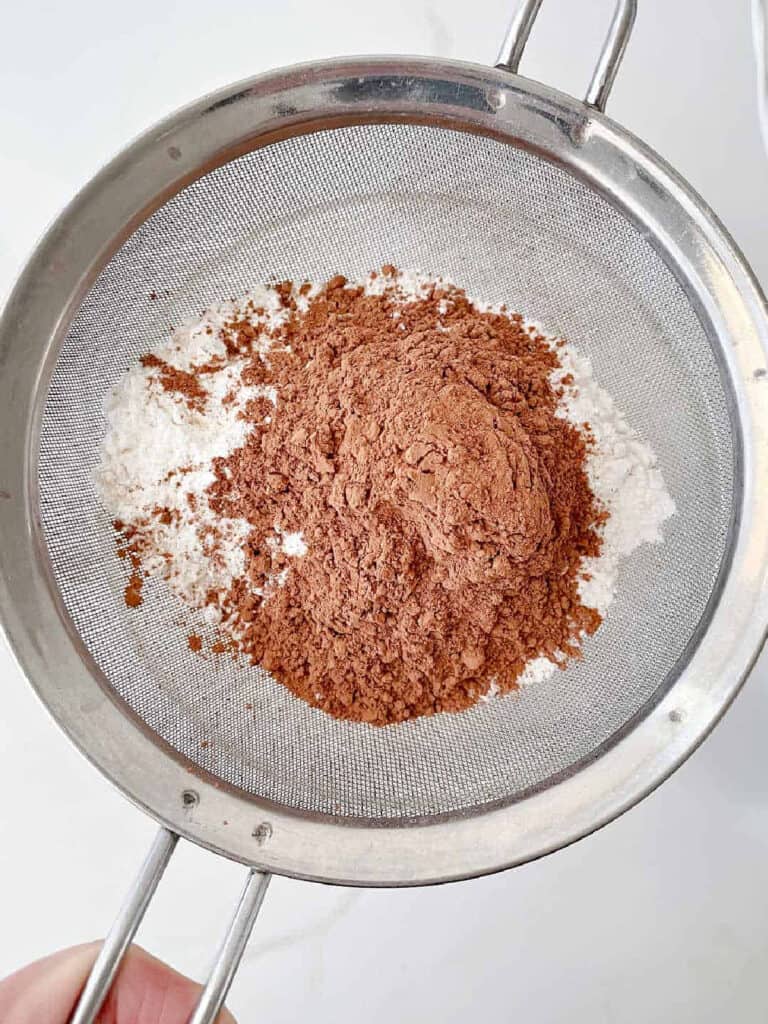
{"x":507,"y":226}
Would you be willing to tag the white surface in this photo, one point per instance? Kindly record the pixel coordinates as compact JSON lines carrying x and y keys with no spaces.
{"x":663,"y":916}
{"x":760,"y":34}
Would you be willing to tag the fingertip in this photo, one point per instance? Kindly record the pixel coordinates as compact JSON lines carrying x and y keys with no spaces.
{"x":45,"y":992}
{"x":145,"y":991}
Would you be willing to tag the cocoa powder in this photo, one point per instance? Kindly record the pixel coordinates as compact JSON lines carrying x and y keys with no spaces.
{"x":445,"y":505}
{"x":177,"y":381}
{"x":129,"y":547}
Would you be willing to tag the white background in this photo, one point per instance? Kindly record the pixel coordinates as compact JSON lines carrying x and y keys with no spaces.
{"x":663,"y":916}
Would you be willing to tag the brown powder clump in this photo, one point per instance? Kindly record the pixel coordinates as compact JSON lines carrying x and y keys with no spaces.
{"x":133,"y":596}
{"x":445,"y":507}
{"x":129,"y":547}
{"x":179,"y":382}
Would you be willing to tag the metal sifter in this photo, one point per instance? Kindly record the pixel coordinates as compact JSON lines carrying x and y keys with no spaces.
{"x":521,"y":194}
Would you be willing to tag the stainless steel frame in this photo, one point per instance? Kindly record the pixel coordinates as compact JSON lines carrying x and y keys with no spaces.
{"x":578,"y":137}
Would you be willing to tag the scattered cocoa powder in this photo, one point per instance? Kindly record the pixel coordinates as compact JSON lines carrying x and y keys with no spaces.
{"x":445,"y":506}
{"x":179,"y":382}
{"x":164,"y":515}
{"x":129,"y":545}
{"x":133,"y":596}
{"x":194,"y":642}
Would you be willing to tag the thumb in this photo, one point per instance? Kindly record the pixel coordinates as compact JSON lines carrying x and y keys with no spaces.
{"x":145,"y":991}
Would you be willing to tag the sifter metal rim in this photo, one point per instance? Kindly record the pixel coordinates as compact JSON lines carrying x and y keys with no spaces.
{"x":310,"y":98}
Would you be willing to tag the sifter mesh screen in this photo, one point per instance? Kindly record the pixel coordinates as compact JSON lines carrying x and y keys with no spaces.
{"x":508,"y":226}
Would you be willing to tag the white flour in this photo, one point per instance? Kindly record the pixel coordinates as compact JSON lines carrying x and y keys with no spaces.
{"x":157,"y":454}
{"x":623,"y":474}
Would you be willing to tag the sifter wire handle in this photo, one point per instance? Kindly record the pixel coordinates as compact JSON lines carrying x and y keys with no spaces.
{"x":608,"y":62}
{"x":232,"y":948}
{"x":123,"y":930}
{"x":129,"y":918}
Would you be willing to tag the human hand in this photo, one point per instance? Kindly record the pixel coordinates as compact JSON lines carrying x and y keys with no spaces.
{"x":146,"y":991}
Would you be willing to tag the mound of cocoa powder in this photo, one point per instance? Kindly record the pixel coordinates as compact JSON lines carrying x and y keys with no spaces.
{"x":445,"y":505}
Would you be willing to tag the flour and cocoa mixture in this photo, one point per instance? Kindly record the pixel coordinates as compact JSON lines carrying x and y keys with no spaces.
{"x":379,"y":494}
